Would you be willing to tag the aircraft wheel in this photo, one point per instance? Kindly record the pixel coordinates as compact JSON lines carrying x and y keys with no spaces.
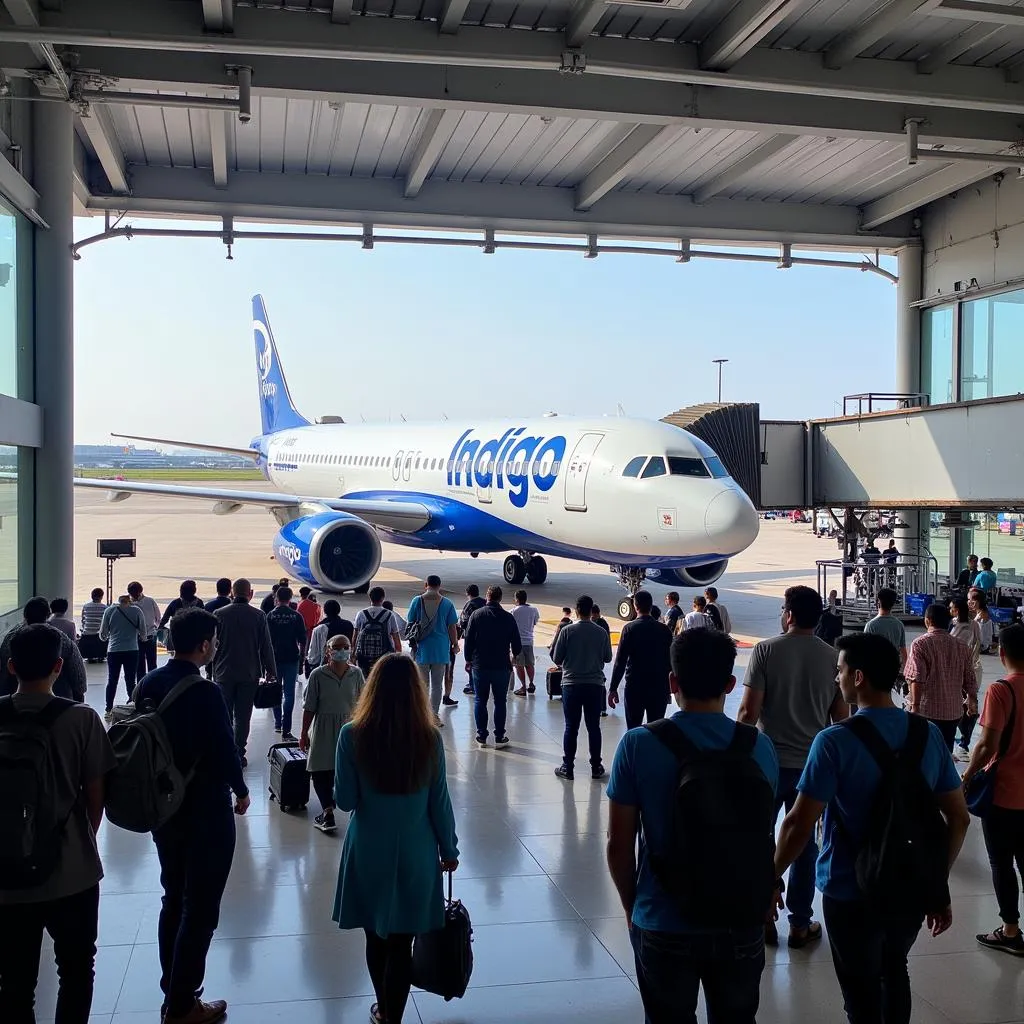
{"x":536,"y":570}
{"x":514,"y":570}
{"x":626,"y":610}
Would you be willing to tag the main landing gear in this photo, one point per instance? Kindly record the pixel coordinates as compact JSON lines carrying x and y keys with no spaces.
{"x":525,"y":566}
{"x":632,"y":579}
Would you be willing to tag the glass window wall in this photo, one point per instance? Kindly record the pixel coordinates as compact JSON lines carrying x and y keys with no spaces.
{"x":8,"y":301}
{"x":992,"y":346}
{"x":8,"y":528}
{"x":937,"y":356}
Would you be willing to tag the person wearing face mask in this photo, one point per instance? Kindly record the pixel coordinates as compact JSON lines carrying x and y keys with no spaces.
{"x":332,"y":693}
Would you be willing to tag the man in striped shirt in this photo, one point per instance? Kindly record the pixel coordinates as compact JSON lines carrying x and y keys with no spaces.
{"x":93,"y":649}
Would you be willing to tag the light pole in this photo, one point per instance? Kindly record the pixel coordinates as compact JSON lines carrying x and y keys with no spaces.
{"x":719,"y":362}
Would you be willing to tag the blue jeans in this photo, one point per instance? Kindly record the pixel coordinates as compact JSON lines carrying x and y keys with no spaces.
{"x":671,"y":967}
{"x":287,"y":674}
{"x":800,"y":886}
{"x":486,"y":682}
{"x":582,"y":701}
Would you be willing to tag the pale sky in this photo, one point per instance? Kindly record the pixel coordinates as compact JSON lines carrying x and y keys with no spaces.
{"x":164,"y":345}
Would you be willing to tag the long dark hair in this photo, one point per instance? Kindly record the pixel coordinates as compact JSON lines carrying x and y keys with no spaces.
{"x":963,"y":613}
{"x":395,"y":734}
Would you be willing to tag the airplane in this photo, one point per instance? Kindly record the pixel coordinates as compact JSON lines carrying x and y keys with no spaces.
{"x":646,"y":498}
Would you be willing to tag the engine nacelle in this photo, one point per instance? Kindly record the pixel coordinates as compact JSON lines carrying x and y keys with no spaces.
{"x":330,"y":550}
{"x":698,"y":576}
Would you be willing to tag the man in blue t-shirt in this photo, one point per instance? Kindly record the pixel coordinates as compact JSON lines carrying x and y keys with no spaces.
{"x":674,"y":957}
{"x":869,"y":948}
{"x":438,"y":639}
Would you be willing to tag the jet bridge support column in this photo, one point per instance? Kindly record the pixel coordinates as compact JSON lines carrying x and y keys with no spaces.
{"x":908,"y":320}
{"x":53,"y":163}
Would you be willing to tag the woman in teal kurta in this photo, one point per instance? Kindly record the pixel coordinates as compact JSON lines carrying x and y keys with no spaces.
{"x":390,"y":773}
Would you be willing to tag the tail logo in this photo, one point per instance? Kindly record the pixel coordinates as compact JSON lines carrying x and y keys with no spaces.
{"x":265,"y":360}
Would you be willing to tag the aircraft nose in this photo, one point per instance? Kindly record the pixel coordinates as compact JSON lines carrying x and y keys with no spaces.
{"x":731,"y":522}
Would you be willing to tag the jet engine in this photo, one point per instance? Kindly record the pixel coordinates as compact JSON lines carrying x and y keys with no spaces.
{"x":698,"y":576}
{"x":333,"y":551}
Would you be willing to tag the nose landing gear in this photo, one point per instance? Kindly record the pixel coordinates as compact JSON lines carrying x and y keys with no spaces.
{"x":523,"y":566}
{"x":632,"y":579}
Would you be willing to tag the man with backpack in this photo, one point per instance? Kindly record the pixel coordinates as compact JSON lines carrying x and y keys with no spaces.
{"x":433,"y":638}
{"x":54,"y":755}
{"x":288,"y":638}
{"x":895,"y":819}
{"x":700,"y":788}
{"x":377,"y":633}
{"x":197,"y":844}
{"x":72,"y":681}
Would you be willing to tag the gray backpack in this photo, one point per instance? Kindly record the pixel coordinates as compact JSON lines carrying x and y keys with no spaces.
{"x":146,"y":788}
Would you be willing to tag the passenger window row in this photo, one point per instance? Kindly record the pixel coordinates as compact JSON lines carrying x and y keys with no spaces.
{"x":418,"y":462}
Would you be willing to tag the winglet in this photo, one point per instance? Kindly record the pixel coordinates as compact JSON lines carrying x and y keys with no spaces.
{"x":277,"y":409}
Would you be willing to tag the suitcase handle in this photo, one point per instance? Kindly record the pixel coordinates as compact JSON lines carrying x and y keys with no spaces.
{"x":281,"y":746}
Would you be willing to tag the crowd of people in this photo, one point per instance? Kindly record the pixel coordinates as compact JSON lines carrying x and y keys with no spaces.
{"x":829,"y":735}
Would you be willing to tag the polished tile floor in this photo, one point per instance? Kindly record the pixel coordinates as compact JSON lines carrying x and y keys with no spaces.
{"x":550,"y":942}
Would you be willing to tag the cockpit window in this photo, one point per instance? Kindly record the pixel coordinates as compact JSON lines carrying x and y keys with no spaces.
{"x":656,"y":467}
{"x":680,"y":466}
{"x":718,"y":470}
{"x":634,"y":466}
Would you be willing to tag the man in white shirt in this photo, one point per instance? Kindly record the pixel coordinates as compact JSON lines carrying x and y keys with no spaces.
{"x":526,"y":617}
{"x":698,"y":618}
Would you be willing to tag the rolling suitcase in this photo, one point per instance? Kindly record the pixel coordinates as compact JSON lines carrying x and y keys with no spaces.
{"x":442,"y":960}
{"x":553,"y":683}
{"x":289,"y":781}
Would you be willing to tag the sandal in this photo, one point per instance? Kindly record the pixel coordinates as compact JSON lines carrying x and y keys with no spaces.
{"x":812,"y":934}
{"x":519,"y":693}
{"x":998,"y":939}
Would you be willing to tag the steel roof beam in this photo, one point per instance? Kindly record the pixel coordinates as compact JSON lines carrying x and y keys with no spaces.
{"x":733,"y":172}
{"x":100,"y":131}
{"x":857,"y":40}
{"x":742,"y":29}
{"x":451,"y":16}
{"x":550,"y":94}
{"x":341,"y":12}
{"x":218,"y":15}
{"x":583,"y":19}
{"x":926,"y":190}
{"x":472,"y":205}
{"x":995,"y":14}
{"x":964,"y":43}
{"x":438,"y":128}
{"x":219,"y":146}
{"x":640,"y":145}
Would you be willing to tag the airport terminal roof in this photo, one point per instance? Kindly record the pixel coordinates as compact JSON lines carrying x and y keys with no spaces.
{"x":762,"y":121}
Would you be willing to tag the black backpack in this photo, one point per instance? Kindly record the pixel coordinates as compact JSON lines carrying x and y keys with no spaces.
{"x":718,"y":864}
{"x":374,"y":640}
{"x":31,"y":824}
{"x":902,"y":861}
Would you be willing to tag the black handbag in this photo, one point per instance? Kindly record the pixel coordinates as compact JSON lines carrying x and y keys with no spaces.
{"x":981,"y":790}
{"x":268,"y":694}
{"x":442,"y":960}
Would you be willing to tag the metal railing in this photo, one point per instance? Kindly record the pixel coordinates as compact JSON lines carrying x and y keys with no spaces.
{"x":858,"y":583}
{"x":871,"y":398}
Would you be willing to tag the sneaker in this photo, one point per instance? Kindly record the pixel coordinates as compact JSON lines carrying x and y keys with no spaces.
{"x":201,"y":1013}
{"x":325,"y":822}
{"x":1001,"y":941}
{"x":277,"y":728}
{"x":376,"y":1017}
{"x":481,"y":741}
{"x":503,"y":742}
{"x":604,"y":714}
{"x":449,"y":703}
{"x":599,"y":772}
{"x":531,"y":688}
{"x":108,"y":716}
{"x":564,"y":771}
{"x":438,"y":722}
{"x":467,"y":688}
{"x":961,"y":754}
{"x":287,"y":737}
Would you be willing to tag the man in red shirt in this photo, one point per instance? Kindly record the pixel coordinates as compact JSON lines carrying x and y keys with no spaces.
{"x":309,"y":610}
{"x":941,"y":675}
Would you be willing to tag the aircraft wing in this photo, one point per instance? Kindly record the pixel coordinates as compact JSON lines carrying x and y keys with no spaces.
{"x":401,"y":516}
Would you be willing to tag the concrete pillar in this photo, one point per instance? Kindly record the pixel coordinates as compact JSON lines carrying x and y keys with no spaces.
{"x":908,"y":319}
{"x":53,"y":137}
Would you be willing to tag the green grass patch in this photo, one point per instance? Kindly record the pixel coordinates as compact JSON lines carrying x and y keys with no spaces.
{"x":176,"y":474}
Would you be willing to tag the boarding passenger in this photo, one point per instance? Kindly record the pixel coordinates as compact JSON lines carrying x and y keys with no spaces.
{"x":1002,"y":723}
{"x":582,"y":649}
{"x":642,"y":658}
{"x":596,"y":616}
{"x":197,"y":844}
{"x":151,"y":613}
{"x":309,"y":609}
{"x":869,"y":940}
{"x":886,"y":624}
{"x":390,"y":773}
{"x":67,"y":747}
{"x":288,"y":638}
{"x":690,"y":929}
{"x":59,"y":617}
{"x":377,"y":632}
{"x":492,"y":646}
{"x":941,"y":675}
{"x":969,"y":575}
{"x":390,"y":605}
{"x":124,"y":629}
{"x":790,"y":691}
{"x":186,"y":599}
{"x":473,"y":601}
{"x":698,"y":618}
{"x":332,"y":692}
{"x":243,"y":654}
{"x":434,"y":619}
{"x":268,"y":602}
{"x":966,"y":630}
{"x":91,"y":647}
{"x":223,"y":595}
{"x":673,"y":613}
{"x":711,"y":593}
{"x":526,"y":617}
{"x":332,"y":624}
{"x":978,"y":604}
{"x":71,"y":681}
{"x":986,"y":580}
